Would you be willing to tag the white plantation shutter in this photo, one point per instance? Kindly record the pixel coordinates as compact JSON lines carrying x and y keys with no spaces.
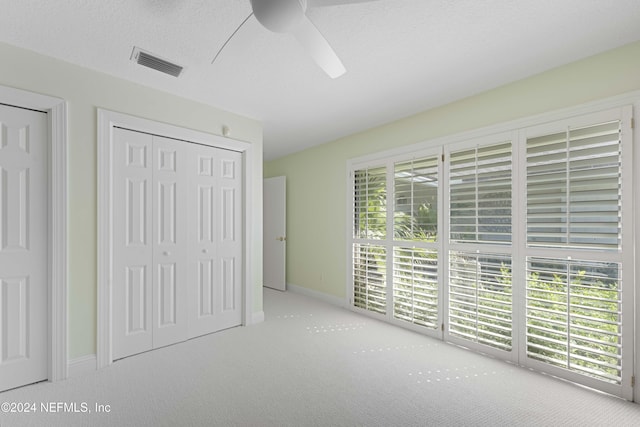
{"x":415,"y":285}
{"x":370,"y":203}
{"x":369,"y":277}
{"x":415,"y":219}
{"x":573,"y":188}
{"x":574,"y":214}
{"x":416,"y":199}
{"x":369,"y":258}
{"x":480,"y":306}
{"x":405,"y":260}
{"x":480,"y":181}
{"x":480,"y":298}
{"x":574,"y":316}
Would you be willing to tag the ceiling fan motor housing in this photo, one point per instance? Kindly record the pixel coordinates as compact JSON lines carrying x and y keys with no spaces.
{"x":280,"y":16}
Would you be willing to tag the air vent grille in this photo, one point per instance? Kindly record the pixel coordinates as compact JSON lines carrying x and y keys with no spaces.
{"x":151,"y":61}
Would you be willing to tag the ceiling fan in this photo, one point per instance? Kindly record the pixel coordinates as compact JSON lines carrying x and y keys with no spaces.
{"x":290,"y":16}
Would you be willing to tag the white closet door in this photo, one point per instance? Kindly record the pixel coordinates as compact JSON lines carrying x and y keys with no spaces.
{"x":132,"y":243}
{"x":23,"y":247}
{"x":169,"y":241}
{"x":229,"y":245}
{"x":203,"y":235}
{"x":177,"y":269}
{"x":215,"y":248}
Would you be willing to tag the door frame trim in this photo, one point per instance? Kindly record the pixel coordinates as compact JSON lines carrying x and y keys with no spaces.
{"x":107,"y":121}
{"x":56,"y":109}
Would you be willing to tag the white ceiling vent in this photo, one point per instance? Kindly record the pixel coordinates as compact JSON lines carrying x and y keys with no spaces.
{"x":153,"y":61}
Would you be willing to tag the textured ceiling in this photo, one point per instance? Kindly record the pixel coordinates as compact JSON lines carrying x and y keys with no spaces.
{"x":402,"y":56}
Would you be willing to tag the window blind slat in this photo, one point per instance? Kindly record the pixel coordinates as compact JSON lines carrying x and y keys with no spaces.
{"x":370,"y":203}
{"x":369,"y":277}
{"x":415,"y":286}
{"x":480,"y":304}
{"x":573,"y":188}
{"x":480,"y":181}
{"x":416,"y":199}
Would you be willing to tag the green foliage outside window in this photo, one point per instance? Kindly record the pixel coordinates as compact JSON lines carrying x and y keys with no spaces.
{"x":573,"y":318}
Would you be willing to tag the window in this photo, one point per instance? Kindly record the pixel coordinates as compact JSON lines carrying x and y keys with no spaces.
{"x":573,"y":188}
{"x":480,"y":215}
{"x":369,"y":277}
{"x":480,"y":182}
{"x":573,"y":316}
{"x":480,"y":298}
{"x":415,"y":247}
{"x":511,"y":244}
{"x":369,"y":257}
{"x":370,"y":204}
{"x":574,"y":220}
{"x":400,"y":247}
{"x":415,"y":285}
{"x":416,"y":200}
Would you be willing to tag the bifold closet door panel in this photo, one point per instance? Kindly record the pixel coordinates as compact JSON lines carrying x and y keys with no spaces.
{"x":229,"y":245}
{"x":215,"y":248}
{"x":203,"y":235}
{"x":132,"y":185}
{"x":169,"y":241}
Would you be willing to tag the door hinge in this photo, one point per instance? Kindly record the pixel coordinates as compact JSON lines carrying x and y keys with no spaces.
{"x":633,"y":381}
{"x":633,"y":123}
{"x":443,"y":158}
{"x":442,"y":327}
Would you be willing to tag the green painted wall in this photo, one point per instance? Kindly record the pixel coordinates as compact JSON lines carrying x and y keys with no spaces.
{"x":316,"y":177}
{"x":85,"y":91}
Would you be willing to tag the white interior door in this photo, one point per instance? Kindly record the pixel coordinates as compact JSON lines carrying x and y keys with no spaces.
{"x":275,"y":232}
{"x":23,"y":247}
{"x":132,"y":243}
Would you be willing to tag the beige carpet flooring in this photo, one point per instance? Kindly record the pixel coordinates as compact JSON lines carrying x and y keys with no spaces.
{"x":313,"y":364}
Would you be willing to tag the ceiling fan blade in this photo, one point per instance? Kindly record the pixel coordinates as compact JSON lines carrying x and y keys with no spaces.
{"x":319,"y":48}
{"x":230,"y":37}
{"x":322,"y":3}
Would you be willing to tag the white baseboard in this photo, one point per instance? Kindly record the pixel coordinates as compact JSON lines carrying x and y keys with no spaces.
{"x":257,"y":317}
{"x":81,"y":366}
{"x":331,"y":299}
